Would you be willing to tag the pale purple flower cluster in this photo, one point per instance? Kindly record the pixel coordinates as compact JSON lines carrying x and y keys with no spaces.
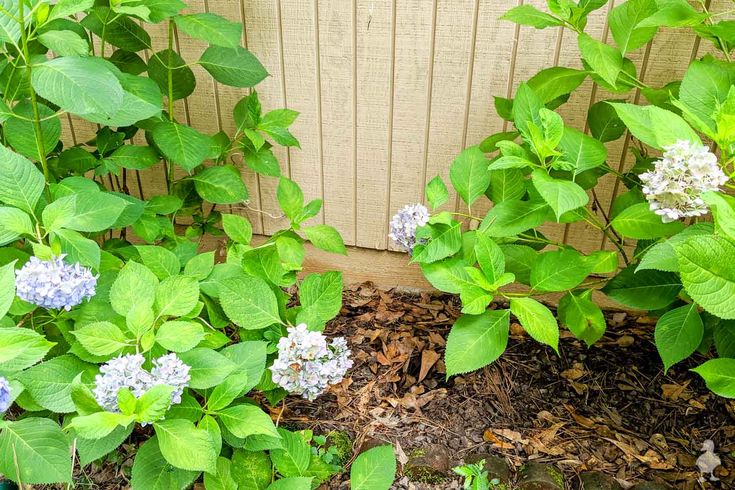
{"x":53,"y":284}
{"x":127,"y":372}
{"x":4,"y":394}
{"x":404,"y":224}
{"x":675,"y":185}
{"x":307,"y":364}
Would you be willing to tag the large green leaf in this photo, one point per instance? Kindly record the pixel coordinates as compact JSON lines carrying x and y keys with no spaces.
{"x":247,"y":420}
{"x":7,"y":295}
{"x":19,"y":347}
{"x":719,"y":375}
{"x":176,"y":296}
{"x":221,"y":185}
{"x":182,"y":76}
{"x":141,"y":100}
{"x":581,"y":150}
{"x":21,"y":183}
{"x":511,"y":218}
{"x":79,"y":248}
{"x":119,"y":30}
{"x":64,"y":8}
{"x":560,"y":270}
{"x":151,"y":471}
{"x":469,"y":174}
{"x":13,"y":224}
{"x":181,"y":144}
{"x":554,"y":82}
{"x":50,"y":382}
{"x":604,"y":60}
{"x":80,"y":85}
{"x":293,"y":459}
{"x":442,"y":240}
{"x":135,"y":286}
{"x":101,"y":338}
{"x":185,"y":446}
{"x":321,"y":298}
{"x":537,"y":320}
{"x":20,"y":130}
{"x":236,"y":67}
{"x":582,"y":317}
{"x":708,"y":273}
{"x":208,"y":367}
{"x":211,"y":28}
{"x":645,"y":290}
{"x":678,"y":334}
{"x":528,"y":15}
{"x":704,"y":88}
{"x":64,"y":43}
{"x":476,"y":341}
{"x":374,"y":469}
{"x":624,"y":19}
{"x":653,"y":125}
{"x":251,"y":469}
{"x":36,"y":450}
{"x":249,"y":302}
{"x":639,"y":222}
{"x":561,"y":195}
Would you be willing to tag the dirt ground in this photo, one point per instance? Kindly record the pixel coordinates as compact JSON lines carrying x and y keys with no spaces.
{"x":609,"y":408}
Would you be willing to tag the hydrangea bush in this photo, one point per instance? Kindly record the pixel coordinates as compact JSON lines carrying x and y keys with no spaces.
{"x":671,"y":233}
{"x":111,"y":318}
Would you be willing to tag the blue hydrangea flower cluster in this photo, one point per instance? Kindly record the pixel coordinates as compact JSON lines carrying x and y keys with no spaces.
{"x":404,"y":224}
{"x":127,"y":372}
{"x":307,"y":365}
{"x":53,"y":284}
{"x":4,"y":394}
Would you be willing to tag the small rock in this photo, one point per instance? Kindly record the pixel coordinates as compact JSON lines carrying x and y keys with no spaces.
{"x":539,"y":476}
{"x":596,"y":480}
{"x":428,"y":465}
{"x":495,"y":466}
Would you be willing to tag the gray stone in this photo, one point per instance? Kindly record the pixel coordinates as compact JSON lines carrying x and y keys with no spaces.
{"x":495,"y":466}
{"x":596,"y":480}
{"x":540,"y":476}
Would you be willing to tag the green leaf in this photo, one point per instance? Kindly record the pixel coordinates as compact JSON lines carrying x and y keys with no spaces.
{"x":135,"y":286}
{"x":13,"y":224}
{"x":21,"y":183}
{"x":662,"y":255}
{"x":64,"y":43}
{"x":185,"y":446}
{"x":529,"y":15}
{"x":152,"y":472}
{"x":645,"y":290}
{"x":93,"y":449}
{"x":582,"y":317}
{"x":35,"y":449}
{"x":560,"y":270}
{"x":294,"y":457}
{"x":176,"y":296}
{"x":236,"y":67}
{"x":469,"y":174}
{"x":326,"y":238}
{"x":101,"y":338}
{"x":444,"y":240}
{"x":605,"y":60}
{"x":64,"y":8}
{"x":249,"y":302}
{"x":604,"y":123}
{"x":221,"y":185}
{"x":639,"y":222}
{"x":179,"y":336}
{"x":134,"y":157}
{"x":554,"y":82}
{"x":19,"y":347}
{"x":7,"y":295}
{"x":704,"y":88}
{"x":476,"y":340}
{"x":490,"y":257}
{"x":724,"y":338}
{"x":247,"y":420}
{"x":447,"y":275}
{"x":93,"y":211}
{"x":436,"y":192}
{"x":653,"y":125}
{"x":161,"y":261}
{"x":511,"y":218}
{"x":519,"y":261}
{"x":719,"y":375}
{"x":673,"y":13}
{"x":50,"y":382}
{"x":211,"y":28}
{"x":99,"y":424}
{"x":708,"y":273}
{"x":320,"y":296}
{"x":141,"y":100}
{"x":200,"y":266}
{"x":582,"y":151}
{"x":678,"y":334}
{"x":80,"y":85}
{"x":560,"y":195}
{"x":292,"y":483}
{"x":537,"y":320}
{"x":78,"y":248}
{"x":251,"y":469}
{"x":290,"y":197}
{"x":181,"y":144}
{"x":223,"y":479}
{"x":158,"y":71}
{"x":238,"y":228}
{"x":374,"y":469}
{"x":624,"y":20}
{"x":208,"y":367}
{"x":723,"y":210}
{"x":154,"y":403}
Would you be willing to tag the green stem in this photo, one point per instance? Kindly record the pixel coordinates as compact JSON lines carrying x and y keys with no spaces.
{"x":34,"y":102}
{"x":604,"y":229}
{"x":170,"y":74}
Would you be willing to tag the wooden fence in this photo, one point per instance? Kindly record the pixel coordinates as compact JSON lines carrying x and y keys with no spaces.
{"x":390,"y":91}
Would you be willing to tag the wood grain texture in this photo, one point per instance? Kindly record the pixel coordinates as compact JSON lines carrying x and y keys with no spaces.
{"x":389,"y":92}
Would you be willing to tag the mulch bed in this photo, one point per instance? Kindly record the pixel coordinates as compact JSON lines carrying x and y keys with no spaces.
{"x":608,"y":408}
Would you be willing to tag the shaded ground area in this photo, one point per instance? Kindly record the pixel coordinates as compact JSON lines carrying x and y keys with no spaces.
{"x":608,"y":408}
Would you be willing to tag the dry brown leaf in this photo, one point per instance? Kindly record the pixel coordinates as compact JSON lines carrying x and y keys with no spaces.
{"x":572,"y":374}
{"x":428,"y":359}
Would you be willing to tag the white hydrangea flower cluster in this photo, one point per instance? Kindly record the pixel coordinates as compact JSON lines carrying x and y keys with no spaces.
{"x":127,"y":372}
{"x":675,"y":185}
{"x":53,"y":284}
{"x":404,"y":224}
{"x":307,"y":364}
{"x":4,"y":394}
